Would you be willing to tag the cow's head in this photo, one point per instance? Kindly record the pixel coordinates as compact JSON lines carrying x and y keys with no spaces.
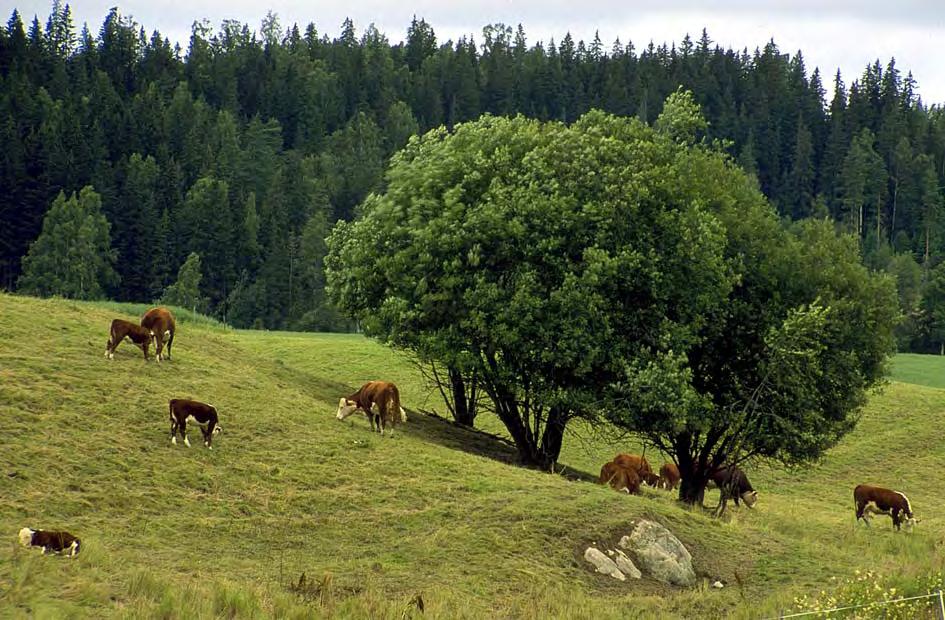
{"x":345,"y":408}
{"x":910,"y":521}
{"x":650,"y":479}
{"x":750,"y":498}
{"x":26,"y":536}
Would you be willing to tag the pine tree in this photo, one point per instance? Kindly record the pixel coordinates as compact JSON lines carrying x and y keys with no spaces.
{"x":135,"y":228}
{"x":72,"y":256}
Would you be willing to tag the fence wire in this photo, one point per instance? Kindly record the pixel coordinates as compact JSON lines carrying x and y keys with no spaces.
{"x":938,"y":595}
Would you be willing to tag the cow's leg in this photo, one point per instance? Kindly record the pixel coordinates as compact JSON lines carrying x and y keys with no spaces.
{"x":207,"y":435}
{"x":173,"y":430}
{"x":182,"y":425}
{"x":170,"y":341}
{"x":897,"y":522}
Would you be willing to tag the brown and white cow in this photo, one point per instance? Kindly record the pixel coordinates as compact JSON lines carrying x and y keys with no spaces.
{"x":122,"y":329}
{"x":50,"y":541}
{"x":383,"y":395}
{"x":202,"y":414}
{"x":870,"y":500}
{"x":161,"y":324}
{"x":669,"y":476}
{"x":619,"y":477}
{"x":640,"y":465}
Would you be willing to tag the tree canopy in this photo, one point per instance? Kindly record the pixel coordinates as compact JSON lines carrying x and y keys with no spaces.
{"x":72,"y":256}
{"x":570,"y":267}
{"x":294,"y":122}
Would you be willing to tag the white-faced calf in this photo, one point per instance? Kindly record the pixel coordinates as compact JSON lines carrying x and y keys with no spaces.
{"x":381,"y":394}
{"x":202,"y":414}
{"x":122,"y":329}
{"x":50,"y":541}
{"x":870,"y":500}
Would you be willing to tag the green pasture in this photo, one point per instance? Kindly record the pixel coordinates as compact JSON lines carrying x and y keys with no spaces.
{"x":295,"y":514}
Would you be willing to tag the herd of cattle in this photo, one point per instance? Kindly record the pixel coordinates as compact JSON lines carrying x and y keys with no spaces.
{"x":628,"y":472}
{"x":379,"y":401}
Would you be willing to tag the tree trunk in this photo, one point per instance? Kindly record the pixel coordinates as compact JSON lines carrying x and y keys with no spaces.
{"x":552,"y":438}
{"x":464,"y":406}
{"x":694,"y":478}
{"x":892,"y":225}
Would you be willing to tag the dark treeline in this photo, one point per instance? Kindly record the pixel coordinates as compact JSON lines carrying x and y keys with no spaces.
{"x":247,"y":147}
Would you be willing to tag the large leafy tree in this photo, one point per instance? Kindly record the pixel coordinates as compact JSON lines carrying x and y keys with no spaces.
{"x":539,"y":257}
{"x":610,"y":267}
{"x":72,"y":256}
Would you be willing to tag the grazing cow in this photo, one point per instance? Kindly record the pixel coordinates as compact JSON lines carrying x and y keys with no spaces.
{"x":669,"y":476}
{"x":381,"y":394}
{"x":160,"y":322}
{"x":877,"y":500}
{"x":122,"y":329}
{"x":733,"y":485}
{"x":50,"y":541}
{"x":640,"y":465}
{"x":204,"y":415}
{"x":620,"y":478}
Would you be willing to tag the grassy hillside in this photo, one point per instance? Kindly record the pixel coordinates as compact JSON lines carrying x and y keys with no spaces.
{"x":371,"y":522}
{"x":928,"y":370}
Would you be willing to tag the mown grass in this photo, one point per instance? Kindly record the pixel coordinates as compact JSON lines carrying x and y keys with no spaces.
{"x":928,"y":370}
{"x":372,"y":522}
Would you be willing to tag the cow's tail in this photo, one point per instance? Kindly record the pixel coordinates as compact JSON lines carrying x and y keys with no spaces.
{"x":393,"y":405}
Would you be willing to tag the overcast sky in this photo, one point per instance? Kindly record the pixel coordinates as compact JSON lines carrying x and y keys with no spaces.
{"x":832,"y":34}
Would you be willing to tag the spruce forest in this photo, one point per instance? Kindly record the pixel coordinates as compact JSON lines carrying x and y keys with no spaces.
{"x":245,"y":148}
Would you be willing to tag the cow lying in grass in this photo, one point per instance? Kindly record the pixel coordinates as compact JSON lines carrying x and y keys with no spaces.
{"x":870,"y":500}
{"x":204,"y":415}
{"x":50,"y":541}
{"x":122,"y":329}
{"x":382,"y":395}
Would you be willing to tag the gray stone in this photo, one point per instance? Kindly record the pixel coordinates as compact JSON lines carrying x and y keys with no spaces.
{"x":604,"y":564}
{"x":660,"y":554}
{"x":627,"y":567}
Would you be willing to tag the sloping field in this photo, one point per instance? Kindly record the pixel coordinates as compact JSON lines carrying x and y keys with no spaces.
{"x":373,"y":522}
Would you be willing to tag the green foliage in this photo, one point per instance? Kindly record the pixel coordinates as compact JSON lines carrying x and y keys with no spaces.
{"x":933,"y":308}
{"x":781,"y":368}
{"x":501,"y":254}
{"x":185,"y":291}
{"x":72,"y":256}
{"x":306,"y":123}
{"x":681,"y":118}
